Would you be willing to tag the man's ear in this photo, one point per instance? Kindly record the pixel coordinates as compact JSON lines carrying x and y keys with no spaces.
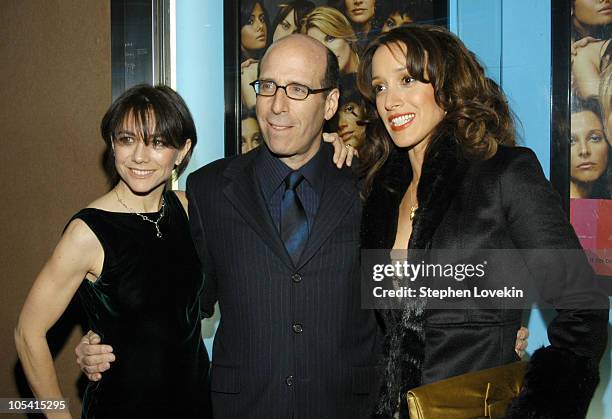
{"x":331,"y":103}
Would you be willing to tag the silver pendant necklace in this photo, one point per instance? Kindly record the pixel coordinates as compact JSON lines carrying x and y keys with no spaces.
{"x":144,"y":217}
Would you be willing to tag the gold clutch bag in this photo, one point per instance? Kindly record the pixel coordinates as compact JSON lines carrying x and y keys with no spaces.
{"x":475,"y":395}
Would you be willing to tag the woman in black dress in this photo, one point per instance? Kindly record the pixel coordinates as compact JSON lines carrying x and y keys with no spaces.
{"x":130,"y":258}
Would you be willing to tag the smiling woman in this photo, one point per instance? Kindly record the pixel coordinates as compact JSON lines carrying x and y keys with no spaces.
{"x":130,"y":258}
{"x":441,"y":171}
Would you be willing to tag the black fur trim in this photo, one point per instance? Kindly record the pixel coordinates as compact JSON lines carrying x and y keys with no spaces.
{"x":380,"y":211}
{"x":558,"y":385}
{"x":441,"y":175}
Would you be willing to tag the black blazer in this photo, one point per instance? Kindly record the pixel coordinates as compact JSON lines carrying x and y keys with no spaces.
{"x":501,"y":203}
{"x":293,"y":341}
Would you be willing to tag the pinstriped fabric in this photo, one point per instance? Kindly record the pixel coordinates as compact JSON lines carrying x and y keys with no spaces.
{"x":292,"y":340}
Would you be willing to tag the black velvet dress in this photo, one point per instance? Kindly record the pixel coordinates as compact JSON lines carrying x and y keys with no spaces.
{"x":145,"y":304}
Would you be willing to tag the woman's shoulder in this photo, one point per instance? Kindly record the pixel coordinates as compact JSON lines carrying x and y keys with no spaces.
{"x":94,"y":216}
{"x":509,"y":166}
{"x":80,"y":235}
{"x":509,"y":158}
{"x":597,"y":48}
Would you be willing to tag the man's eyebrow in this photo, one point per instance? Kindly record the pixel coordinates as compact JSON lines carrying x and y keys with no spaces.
{"x":288,"y":82}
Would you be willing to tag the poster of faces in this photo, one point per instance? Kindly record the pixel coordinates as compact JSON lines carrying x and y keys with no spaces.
{"x":344,"y":26}
{"x":591,"y":129}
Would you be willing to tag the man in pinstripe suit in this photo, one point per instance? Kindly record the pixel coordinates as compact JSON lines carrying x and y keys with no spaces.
{"x":293,"y":341}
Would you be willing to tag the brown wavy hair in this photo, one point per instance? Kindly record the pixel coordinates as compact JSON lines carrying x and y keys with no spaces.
{"x":477,"y":112}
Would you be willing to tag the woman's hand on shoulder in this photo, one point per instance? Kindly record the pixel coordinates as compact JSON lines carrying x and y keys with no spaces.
{"x":586,"y":63}
{"x":343,"y":153}
{"x":247,"y":63}
{"x":579,"y":44}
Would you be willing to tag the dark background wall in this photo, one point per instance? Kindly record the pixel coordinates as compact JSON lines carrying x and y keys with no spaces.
{"x":55,"y":84}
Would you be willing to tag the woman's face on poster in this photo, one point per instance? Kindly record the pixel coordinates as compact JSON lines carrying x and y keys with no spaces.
{"x":250,"y":136}
{"x":253,"y":35}
{"x":340,"y":47}
{"x":395,"y":20}
{"x":589,"y":147}
{"x":350,"y":126}
{"x":360,"y":11}
{"x":593,"y":12}
{"x":285,"y":27}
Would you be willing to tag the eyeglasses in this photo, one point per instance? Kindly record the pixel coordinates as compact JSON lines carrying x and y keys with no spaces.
{"x":293,"y":91}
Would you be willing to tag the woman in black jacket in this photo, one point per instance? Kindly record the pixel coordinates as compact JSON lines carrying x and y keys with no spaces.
{"x":442,"y":172}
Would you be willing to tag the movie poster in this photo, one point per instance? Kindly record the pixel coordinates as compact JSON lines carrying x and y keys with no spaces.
{"x":590,"y":178}
{"x":344,"y":26}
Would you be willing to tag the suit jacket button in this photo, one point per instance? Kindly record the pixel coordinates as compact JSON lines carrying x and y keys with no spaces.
{"x":296,"y":278}
{"x":297,"y":328}
{"x":289,"y":380}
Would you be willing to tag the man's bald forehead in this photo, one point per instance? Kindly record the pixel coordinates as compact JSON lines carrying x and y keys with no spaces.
{"x":297,"y":43}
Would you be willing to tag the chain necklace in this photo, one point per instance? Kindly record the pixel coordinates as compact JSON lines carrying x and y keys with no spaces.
{"x":413,"y":208}
{"x":144,"y":217}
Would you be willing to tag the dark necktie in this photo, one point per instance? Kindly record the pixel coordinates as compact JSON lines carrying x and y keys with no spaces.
{"x":293,"y":221}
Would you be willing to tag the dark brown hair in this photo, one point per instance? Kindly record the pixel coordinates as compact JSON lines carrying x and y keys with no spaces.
{"x":300,"y":7}
{"x":477,"y":113}
{"x":246,"y":9}
{"x":148,"y":105}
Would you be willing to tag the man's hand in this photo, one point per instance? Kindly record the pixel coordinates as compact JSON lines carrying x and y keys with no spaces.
{"x":522,"y":337}
{"x":92,"y":357}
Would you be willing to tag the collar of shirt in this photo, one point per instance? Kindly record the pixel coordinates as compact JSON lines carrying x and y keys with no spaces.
{"x":271,"y":172}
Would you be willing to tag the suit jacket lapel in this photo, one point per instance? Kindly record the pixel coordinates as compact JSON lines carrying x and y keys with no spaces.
{"x":245,"y":195}
{"x":339,"y":194}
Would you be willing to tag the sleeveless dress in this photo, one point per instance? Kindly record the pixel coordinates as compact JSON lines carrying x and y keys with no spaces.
{"x":145,"y":304}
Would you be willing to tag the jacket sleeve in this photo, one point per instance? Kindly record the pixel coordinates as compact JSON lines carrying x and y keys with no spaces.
{"x":562,"y":377}
{"x":208,"y":297}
